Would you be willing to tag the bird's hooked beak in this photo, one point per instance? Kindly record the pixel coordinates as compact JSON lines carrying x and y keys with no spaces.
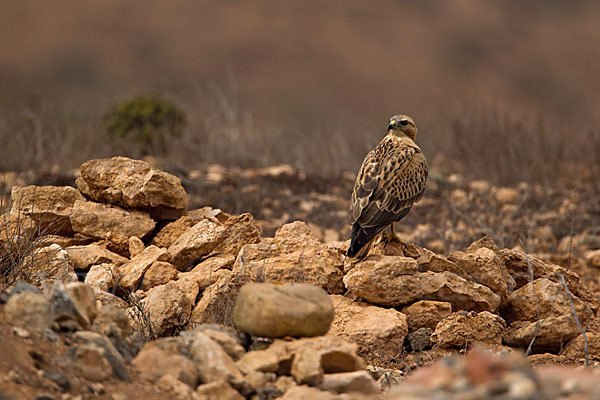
{"x":392,"y":124}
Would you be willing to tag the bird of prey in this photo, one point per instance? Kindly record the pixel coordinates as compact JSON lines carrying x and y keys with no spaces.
{"x":391,"y":179}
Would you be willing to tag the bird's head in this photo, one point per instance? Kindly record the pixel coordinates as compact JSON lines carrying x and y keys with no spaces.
{"x":401,"y":125}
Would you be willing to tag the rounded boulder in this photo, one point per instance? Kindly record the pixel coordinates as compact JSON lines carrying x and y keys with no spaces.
{"x":271,"y":310}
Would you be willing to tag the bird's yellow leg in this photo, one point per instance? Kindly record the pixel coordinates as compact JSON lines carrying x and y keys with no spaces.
{"x":395,"y":236}
{"x":392,"y":236}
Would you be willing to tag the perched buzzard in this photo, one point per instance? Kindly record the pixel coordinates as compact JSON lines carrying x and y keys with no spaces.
{"x":391,"y":179}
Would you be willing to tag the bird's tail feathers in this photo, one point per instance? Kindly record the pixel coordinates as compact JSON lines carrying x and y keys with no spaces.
{"x":362,"y":239}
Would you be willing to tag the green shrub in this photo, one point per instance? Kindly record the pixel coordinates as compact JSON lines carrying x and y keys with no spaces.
{"x":145,"y":121}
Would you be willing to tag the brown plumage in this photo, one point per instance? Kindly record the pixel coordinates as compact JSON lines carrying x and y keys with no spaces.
{"x":391,"y":179}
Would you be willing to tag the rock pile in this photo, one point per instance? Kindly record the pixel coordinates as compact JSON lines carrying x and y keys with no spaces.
{"x":181,"y":278}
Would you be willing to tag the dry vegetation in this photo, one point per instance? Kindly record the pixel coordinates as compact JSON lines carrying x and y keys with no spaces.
{"x":479,"y":142}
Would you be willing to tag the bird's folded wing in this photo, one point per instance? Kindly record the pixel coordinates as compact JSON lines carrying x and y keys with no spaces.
{"x":388,"y":186}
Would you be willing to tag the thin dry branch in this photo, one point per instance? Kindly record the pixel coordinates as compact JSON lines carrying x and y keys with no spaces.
{"x":142,"y":318}
{"x":573,"y":197}
{"x":538,"y":321}
{"x":574,"y":313}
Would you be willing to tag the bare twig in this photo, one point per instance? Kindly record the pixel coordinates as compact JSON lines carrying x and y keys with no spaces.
{"x":579,"y":325}
{"x":538,"y":321}
{"x":572,"y":225}
{"x":137,"y":311}
{"x":142,"y":317}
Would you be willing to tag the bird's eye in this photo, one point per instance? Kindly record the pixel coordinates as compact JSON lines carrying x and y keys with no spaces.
{"x":404,"y":122}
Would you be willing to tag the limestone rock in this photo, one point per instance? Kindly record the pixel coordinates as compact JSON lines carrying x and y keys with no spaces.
{"x":426,"y":314}
{"x":295,"y":236}
{"x":179,"y":344}
{"x":282,"y":383}
{"x":310,"y":393}
{"x":131,"y":273}
{"x":320,"y":266}
{"x":550,"y":298}
{"x":87,"y":361}
{"x":110,"y":317}
{"x":394,"y":281}
{"x":240,"y":230}
{"x":152,"y":363}
{"x":104,"y":298}
{"x":101,"y":276}
{"x":83,"y":257}
{"x":267,"y":361}
{"x":382,"y":279}
{"x":226,"y":337}
{"x":136,"y":246}
{"x":212,"y":363}
{"x":518,"y":264}
{"x":270,"y":310}
{"x":551,"y":333}
{"x":63,"y":241}
{"x":337,"y":355}
{"x":376,"y":330}
{"x":110,"y":353}
{"x":254,"y":252}
{"x":420,"y":339}
{"x":83,"y":297}
{"x":198,"y":241}
{"x":217,"y":301}
{"x":170,"y":232}
{"x":307,"y":368}
{"x":485,"y":242}
{"x":73,"y":303}
{"x":212,"y":214}
{"x":190,"y":290}
{"x":576,"y":347}
{"x":133,"y":184}
{"x":99,"y":220}
{"x":428,"y":261}
{"x":487,"y":268}
{"x":350,"y":382}
{"x":217,"y":390}
{"x":209,"y":271}
{"x":28,"y":310}
{"x":175,"y":388}
{"x":462,"y":328}
{"x":49,"y":206}
{"x":262,"y":382}
{"x":168,"y":307}
{"x":159,"y":273}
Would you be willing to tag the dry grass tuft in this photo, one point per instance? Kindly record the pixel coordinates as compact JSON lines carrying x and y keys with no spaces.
{"x":142,"y":323}
{"x":20,"y":242}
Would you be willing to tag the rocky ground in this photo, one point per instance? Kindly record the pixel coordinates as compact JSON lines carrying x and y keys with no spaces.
{"x":129,"y":282}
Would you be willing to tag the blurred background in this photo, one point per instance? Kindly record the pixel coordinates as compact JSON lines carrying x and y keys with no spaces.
{"x":506,"y":91}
